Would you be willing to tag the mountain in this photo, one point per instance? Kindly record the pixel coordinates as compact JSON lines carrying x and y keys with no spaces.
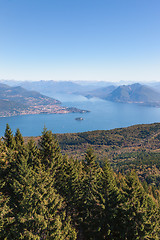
{"x":100,"y":92}
{"x":6,"y":105}
{"x":135,"y":93}
{"x":51,"y":87}
{"x":18,"y":101}
{"x":21,"y":95}
{"x":155,"y":85}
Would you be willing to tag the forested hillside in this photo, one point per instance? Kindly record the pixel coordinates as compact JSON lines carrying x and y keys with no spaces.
{"x":136,"y":147}
{"x":47,"y":195}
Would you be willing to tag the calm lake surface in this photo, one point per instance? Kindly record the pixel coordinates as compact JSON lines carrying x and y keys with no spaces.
{"x":104,"y":115}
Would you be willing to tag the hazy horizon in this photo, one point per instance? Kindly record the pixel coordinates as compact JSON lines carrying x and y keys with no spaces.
{"x":83,"y":81}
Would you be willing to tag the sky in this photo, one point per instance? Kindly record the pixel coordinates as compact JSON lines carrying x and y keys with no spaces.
{"x":109,"y":40}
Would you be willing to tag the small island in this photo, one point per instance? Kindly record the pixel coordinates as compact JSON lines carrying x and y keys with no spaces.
{"x":79,"y":119}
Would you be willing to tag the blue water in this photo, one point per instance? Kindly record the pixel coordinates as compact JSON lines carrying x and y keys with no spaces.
{"x":104,"y":115}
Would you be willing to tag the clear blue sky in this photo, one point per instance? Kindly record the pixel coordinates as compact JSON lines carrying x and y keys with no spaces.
{"x":108,"y":40}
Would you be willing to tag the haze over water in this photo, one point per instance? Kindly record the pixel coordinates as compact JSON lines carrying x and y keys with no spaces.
{"x":103,"y":115}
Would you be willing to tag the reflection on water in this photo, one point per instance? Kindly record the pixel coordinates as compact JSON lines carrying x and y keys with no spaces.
{"x":104,"y":115}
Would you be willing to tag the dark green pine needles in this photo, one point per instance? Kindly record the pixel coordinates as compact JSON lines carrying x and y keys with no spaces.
{"x":46,"y":195}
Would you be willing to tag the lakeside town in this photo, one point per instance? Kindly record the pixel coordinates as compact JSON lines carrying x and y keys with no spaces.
{"x":42,"y":109}
{"x":16,"y":101}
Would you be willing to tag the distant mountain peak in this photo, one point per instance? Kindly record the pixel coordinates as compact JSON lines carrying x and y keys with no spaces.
{"x":135,"y":93}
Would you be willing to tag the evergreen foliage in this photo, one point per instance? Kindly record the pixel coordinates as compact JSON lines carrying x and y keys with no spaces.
{"x":49,"y":149}
{"x":41,"y":210}
{"x":18,"y":138}
{"x":33,"y":154}
{"x":5,"y":219}
{"x":89,"y":207}
{"x":45,"y":195}
{"x":111,"y":201}
{"x":141,"y":217}
{"x":9,"y":138}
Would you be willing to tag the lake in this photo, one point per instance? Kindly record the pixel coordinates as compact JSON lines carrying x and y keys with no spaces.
{"x":104,"y":115}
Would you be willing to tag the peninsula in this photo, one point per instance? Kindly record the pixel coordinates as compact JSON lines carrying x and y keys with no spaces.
{"x":19,"y":101}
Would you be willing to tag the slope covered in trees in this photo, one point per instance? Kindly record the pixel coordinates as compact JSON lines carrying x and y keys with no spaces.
{"x":47,"y":195}
{"x":136,"y":147}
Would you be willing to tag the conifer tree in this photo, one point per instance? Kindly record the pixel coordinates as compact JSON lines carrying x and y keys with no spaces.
{"x":41,"y":212}
{"x":7,"y":170}
{"x":64,"y":181}
{"x":8,"y":173}
{"x":9,"y":138}
{"x":89,"y":203}
{"x":5,"y":217}
{"x":50,"y":156}
{"x":69,"y":183}
{"x":49,"y":150}
{"x":3,"y":149}
{"x":110,"y":204}
{"x":140,"y":214}
{"x":20,"y":149}
{"x":44,"y":195}
{"x":33,"y":153}
{"x":18,"y":137}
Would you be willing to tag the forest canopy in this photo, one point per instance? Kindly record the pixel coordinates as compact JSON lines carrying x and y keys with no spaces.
{"x":45,"y":194}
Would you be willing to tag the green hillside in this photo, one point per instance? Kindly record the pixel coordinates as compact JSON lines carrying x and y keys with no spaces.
{"x":136,"y":147}
{"x":134,"y":137}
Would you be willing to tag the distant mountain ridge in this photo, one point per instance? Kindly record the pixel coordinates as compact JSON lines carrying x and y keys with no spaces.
{"x":132,"y":93}
{"x":20,"y":94}
{"x":135,"y":93}
{"x":101,"y":92}
{"x":51,"y":87}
